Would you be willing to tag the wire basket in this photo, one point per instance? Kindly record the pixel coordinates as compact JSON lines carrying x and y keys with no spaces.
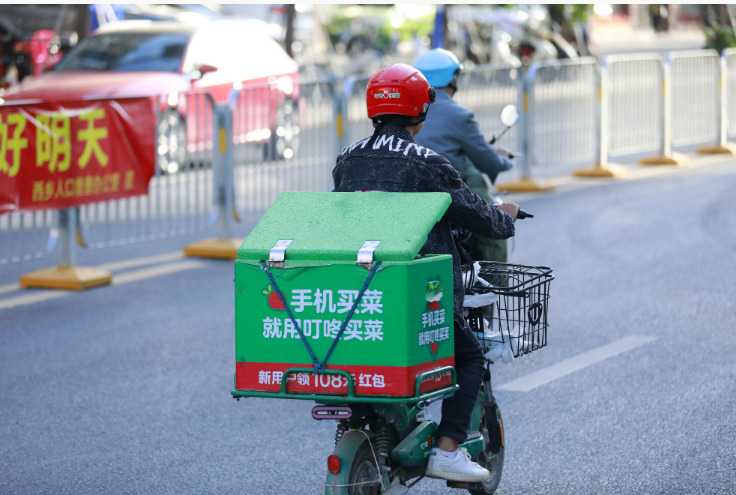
{"x":517,"y":316}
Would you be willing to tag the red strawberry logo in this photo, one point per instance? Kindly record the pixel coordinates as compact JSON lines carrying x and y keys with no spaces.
{"x":273,"y":298}
{"x":434,"y":305}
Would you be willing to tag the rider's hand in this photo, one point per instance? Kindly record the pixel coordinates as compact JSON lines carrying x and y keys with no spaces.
{"x":502,"y":151}
{"x":511,"y":209}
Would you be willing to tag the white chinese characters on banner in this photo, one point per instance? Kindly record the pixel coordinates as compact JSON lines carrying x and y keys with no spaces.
{"x":369,"y":380}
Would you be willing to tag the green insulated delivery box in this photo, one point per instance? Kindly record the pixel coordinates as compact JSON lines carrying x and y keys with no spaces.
{"x":299,"y":277}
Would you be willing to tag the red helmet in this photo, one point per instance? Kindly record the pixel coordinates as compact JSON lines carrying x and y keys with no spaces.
{"x":398,"y":89}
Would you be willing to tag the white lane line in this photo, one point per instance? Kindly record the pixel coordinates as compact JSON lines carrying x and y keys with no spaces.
{"x":156,"y":271}
{"x":46,"y":295}
{"x":115,"y":265}
{"x":124,"y":278}
{"x":4,"y":289}
{"x":150,"y":260}
{"x":558,"y":370}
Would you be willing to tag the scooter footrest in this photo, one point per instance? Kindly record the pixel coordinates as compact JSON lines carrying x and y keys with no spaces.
{"x":473,"y":435}
{"x":467,"y":486}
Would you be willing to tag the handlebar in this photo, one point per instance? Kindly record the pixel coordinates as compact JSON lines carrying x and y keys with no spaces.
{"x":521,"y":215}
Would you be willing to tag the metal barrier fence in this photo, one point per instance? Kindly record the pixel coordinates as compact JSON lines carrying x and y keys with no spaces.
{"x":728,"y":81}
{"x":695,"y":96}
{"x":486,"y":90}
{"x":299,"y":155}
{"x":230,"y":160}
{"x":179,"y":198}
{"x":563,"y":115}
{"x":26,"y":235}
{"x":631,"y":104}
{"x":357,"y":125}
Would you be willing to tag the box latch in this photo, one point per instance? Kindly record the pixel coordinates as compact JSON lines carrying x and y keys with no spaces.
{"x":365,"y":253}
{"x":277,"y":255}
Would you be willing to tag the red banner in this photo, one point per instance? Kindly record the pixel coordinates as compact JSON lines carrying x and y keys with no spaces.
{"x":60,"y":155}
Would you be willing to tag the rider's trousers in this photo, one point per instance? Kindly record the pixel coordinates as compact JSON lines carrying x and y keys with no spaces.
{"x":469,"y":367}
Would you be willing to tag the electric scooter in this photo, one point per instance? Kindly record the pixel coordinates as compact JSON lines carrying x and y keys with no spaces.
{"x":383,"y":447}
{"x":380,"y":402}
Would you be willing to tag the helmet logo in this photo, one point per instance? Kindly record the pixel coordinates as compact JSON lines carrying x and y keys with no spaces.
{"x":386,"y":95}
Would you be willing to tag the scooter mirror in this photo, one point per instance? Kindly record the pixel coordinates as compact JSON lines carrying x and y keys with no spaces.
{"x":509,"y":115}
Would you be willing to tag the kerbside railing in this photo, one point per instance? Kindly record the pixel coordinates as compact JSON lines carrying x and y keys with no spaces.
{"x":728,"y":92}
{"x":632,"y":104}
{"x":695,"y":96}
{"x":220,"y":166}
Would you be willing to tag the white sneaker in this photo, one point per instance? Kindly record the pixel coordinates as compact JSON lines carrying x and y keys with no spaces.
{"x":459,"y":468}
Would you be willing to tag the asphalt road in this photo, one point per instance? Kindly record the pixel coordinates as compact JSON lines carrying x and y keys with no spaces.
{"x":125,"y":389}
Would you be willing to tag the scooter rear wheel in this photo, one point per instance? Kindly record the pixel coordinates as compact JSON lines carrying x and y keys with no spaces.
{"x":363,"y":472}
{"x":492,"y":457}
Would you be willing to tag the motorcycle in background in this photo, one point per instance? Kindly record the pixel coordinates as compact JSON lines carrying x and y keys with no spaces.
{"x":25,"y":55}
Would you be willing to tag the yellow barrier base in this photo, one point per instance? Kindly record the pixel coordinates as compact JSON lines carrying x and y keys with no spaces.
{"x":524,"y":185}
{"x":676,"y":159}
{"x":729,"y":149}
{"x":70,"y":278}
{"x":214,"y":248}
{"x":609,"y":171}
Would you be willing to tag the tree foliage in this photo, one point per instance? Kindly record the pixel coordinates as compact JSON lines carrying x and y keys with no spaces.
{"x":719,"y":37}
{"x":720,"y":24}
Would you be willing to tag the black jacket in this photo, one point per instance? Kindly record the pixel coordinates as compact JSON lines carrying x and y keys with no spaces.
{"x":392,"y":161}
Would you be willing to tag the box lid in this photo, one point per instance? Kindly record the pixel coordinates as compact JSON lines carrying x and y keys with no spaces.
{"x":334,"y":226}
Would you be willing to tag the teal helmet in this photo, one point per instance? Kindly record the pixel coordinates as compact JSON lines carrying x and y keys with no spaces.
{"x":439,"y":66}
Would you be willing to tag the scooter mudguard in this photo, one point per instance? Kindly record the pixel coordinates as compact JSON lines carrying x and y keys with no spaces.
{"x":345,"y":450}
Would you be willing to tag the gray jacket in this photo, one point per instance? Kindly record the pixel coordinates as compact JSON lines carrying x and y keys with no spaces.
{"x":451,"y":130}
{"x":392,"y":161}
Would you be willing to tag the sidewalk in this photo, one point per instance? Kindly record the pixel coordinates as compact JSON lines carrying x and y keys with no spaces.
{"x":623,"y":38}
{"x":563,"y":181}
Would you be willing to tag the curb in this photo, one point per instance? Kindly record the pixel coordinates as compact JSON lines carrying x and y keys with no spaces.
{"x":627,"y":172}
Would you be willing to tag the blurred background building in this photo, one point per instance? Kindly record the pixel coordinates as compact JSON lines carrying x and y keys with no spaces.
{"x":344,"y":39}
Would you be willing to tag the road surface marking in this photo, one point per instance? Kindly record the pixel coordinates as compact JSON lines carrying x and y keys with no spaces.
{"x":156,"y":271}
{"x":114,"y":265}
{"x":46,"y":295}
{"x":558,"y":370}
{"x":4,"y":289}
{"x":123,"y":278}
{"x":149,"y":260}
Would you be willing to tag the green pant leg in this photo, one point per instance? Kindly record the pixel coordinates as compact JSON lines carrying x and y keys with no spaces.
{"x":485,"y":248}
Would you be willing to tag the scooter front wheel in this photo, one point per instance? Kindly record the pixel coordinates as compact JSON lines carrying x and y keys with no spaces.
{"x":492,"y":456}
{"x":364,"y":476}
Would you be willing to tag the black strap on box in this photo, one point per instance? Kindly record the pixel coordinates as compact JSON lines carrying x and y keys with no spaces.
{"x":319,"y":367}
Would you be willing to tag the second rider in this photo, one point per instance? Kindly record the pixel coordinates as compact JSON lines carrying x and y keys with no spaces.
{"x":451,"y":130}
